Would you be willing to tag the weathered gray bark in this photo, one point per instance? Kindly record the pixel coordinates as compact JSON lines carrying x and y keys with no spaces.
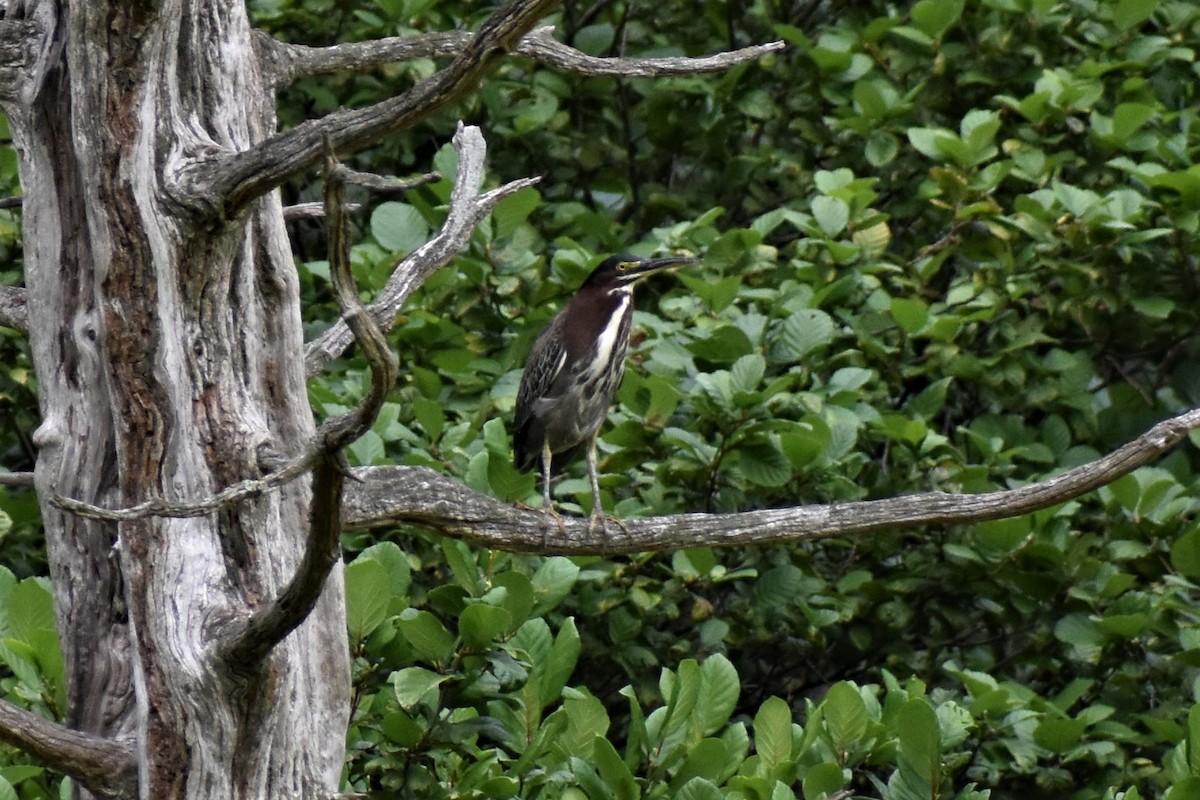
{"x":163,"y":313}
{"x":169,"y":357}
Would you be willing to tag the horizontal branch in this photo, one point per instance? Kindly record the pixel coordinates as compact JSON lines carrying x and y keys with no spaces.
{"x":467,"y":208}
{"x":288,"y":62}
{"x":106,"y":767}
{"x":310,"y":211}
{"x":228,"y":184}
{"x":16,"y":479}
{"x":14,"y":310}
{"x":422,"y":497}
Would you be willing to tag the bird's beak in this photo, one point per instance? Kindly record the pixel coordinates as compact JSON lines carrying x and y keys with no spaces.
{"x":652,"y":265}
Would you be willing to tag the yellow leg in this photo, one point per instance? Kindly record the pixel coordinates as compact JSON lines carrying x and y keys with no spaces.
{"x":597,"y":507}
{"x":547,"y":504}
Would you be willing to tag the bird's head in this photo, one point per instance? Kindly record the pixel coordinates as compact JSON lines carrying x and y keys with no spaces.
{"x":624,"y":270}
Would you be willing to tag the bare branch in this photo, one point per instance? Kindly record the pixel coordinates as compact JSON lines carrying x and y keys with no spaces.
{"x":106,"y":767}
{"x":266,"y":627}
{"x":14,"y":312}
{"x":292,"y":61}
{"x":422,"y":497}
{"x":311,"y":210}
{"x":467,"y":208}
{"x":10,"y":202}
{"x":16,"y":479}
{"x":228,"y":184}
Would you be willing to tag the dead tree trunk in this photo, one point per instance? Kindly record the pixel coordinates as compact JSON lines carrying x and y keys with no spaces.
{"x":169,"y":354}
{"x":205,"y":650}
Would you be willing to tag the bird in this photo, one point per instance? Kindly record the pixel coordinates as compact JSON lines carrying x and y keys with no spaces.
{"x":573,"y":370}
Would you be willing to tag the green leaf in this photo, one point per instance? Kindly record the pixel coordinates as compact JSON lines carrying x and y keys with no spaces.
{"x":7,"y":792}
{"x":764,"y":465}
{"x":552,"y":582}
{"x":399,"y":227}
{"x":747,"y":373}
{"x":514,"y":209}
{"x":1058,"y":735}
{"x":831,"y":213}
{"x":823,"y":780}
{"x":800,"y":334}
{"x":514,"y":592}
{"x":910,"y":314}
{"x":920,"y":763}
{"x":719,"y":690}
{"x":462,"y":563}
{"x":1002,"y":536}
{"x":934,"y":17}
{"x":613,"y":770}
{"x":1185,"y":554}
{"x":1193,"y":739}
{"x":845,"y":716}
{"x":368,"y":594}
{"x":699,"y":789}
{"x":722,"y":345}
{"x":428,"y":637}
{"x":392,"y":559}
{"x":706,"y":759}
{"x":414,"y":684}
{"x":480,"y":625}
{"x":773,"y":732}
{"x":682,"y":690}
{"x":1130,"y":13}
{"x":564,"y":655}
{"x":1128,"y":119}
{"x":586,"y":721}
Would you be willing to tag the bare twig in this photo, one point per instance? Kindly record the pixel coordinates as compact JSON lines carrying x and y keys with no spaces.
{"x":289,"y":62}
{"x":311,"y":210}
{"x":14,"y":311}
{"x":106,"y":767}
{"x":16,"y":479}
{"x":10,"y":202}
{"x":417,"y":496}
{"x":467,"y":208}
{"x":227,"y":184}
{"x":266,"y":627}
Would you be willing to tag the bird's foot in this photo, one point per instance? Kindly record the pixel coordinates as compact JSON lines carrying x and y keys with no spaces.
{"x":551,"y":513}
{"x":602,"y":519}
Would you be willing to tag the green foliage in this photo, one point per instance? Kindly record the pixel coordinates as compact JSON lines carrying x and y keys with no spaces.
{"x":945,"y":245}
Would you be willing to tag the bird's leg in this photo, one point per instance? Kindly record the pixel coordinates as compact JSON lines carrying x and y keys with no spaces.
{"x":547,"y":504}
{"x":597,"y":507}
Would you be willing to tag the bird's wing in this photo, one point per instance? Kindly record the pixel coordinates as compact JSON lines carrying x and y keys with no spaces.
{"x":545,"y":364}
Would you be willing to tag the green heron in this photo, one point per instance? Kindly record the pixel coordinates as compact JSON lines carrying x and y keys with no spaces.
{"x":574,"y":368}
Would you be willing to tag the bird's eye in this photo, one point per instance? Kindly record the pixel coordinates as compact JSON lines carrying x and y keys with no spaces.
{"x":624,"y":265}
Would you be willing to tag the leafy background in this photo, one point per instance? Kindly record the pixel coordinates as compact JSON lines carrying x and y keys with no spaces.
{"x":946,"y":245}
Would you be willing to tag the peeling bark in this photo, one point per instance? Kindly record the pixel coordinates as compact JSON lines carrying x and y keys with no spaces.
{"x":203,"y":624}
{"x":168,"y":355}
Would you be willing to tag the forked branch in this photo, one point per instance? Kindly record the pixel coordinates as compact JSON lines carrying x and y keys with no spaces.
{"x":229,"y":183}
{"x":467,"y":208}
{"x":266,"y":627}
{"x":422,"y":497}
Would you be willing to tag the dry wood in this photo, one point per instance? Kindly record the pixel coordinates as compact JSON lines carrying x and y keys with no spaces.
{"x":288,"y":62}
{"x":421,"y":497}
